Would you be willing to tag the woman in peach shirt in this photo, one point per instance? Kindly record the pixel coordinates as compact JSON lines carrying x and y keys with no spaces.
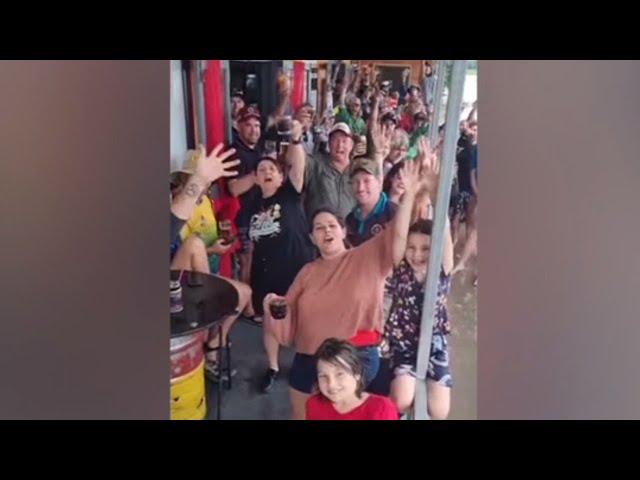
{"x":340,"y":294}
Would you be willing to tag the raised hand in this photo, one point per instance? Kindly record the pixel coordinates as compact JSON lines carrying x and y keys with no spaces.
{"x":410,"y":175}
{"x":215,"y":165}
{"x":429,"y":163}
{"x":381,"y":138}
{"x":427,"y":157}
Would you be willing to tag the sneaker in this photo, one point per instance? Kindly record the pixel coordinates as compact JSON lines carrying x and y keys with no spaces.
{"x":269,"y":379}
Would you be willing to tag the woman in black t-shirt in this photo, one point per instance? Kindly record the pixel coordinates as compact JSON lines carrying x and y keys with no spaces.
{"x":279,"y":233}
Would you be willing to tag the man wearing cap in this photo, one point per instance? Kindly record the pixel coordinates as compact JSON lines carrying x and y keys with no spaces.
{"x":327,"y":182}
{"x":243,"y":186}
{"x":373,"y":210}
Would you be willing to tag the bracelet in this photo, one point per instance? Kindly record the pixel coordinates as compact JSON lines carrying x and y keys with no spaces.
{"x":296,"y":142}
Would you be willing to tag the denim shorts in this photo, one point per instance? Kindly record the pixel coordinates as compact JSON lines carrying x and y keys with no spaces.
{"x":304,"y":374}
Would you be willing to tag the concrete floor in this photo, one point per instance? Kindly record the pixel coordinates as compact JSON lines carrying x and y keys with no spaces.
{"x":463,"y":311}
{"x":245,"y":402}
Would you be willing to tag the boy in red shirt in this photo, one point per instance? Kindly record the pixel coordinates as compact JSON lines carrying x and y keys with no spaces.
{"x":341,"y":385}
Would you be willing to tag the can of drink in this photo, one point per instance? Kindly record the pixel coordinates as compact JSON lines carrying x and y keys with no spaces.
{"x":175,"y":297}
{"x":224,"y":227}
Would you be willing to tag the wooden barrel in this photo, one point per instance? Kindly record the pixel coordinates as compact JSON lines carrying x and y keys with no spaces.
{"x":188,"y":399}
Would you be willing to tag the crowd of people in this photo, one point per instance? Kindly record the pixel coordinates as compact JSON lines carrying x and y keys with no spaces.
{"x":335,"y":224}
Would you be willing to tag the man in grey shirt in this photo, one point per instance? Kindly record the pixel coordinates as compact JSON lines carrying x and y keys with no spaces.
{"x":327,"y":181}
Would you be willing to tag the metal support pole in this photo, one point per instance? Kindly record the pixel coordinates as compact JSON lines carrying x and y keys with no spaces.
{"x":226,"y":82}
{"x":202,"y":123}
{"x":440,"y":71}
{"x":437,"y":237}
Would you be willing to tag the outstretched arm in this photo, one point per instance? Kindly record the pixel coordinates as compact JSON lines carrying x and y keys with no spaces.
{"x":296,"y":157}
{"x":381,"y":139}
{"x":429,"y":189}
{"x":420,"y":178}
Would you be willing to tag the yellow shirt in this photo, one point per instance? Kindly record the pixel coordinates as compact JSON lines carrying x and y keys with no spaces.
{"x":203,"y":223}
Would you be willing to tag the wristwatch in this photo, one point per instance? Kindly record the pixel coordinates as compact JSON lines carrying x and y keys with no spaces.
{"x":297,"y":141}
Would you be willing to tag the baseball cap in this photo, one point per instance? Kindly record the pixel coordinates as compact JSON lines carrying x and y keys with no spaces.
{"x":247,"y":113}
{"x":366,"y":165}
{"x":341,"y":127}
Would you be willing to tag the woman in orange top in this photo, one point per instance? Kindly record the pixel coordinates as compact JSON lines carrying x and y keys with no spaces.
{"x":340,"y":294}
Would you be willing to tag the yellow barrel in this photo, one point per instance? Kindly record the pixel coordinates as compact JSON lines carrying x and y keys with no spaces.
{"x":188,"y":398}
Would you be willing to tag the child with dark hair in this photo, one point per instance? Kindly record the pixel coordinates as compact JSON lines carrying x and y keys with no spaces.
{"x":402,"y":330}
{"x":341,"y":387}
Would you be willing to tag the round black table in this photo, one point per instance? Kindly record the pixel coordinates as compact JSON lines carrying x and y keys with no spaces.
{"x":206,"y":299}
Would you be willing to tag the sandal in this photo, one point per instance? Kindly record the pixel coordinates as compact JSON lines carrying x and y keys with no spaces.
{"x":212,"y":371}
{"x":212,"y":364}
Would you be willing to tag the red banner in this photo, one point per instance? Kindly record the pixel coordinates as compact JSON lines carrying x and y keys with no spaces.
{"x":298,"y":87}
{"x":226,"y":206}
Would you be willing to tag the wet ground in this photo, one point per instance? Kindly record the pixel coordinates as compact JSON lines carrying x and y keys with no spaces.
{"x":245,"y":402}
{"x":463,"y":347}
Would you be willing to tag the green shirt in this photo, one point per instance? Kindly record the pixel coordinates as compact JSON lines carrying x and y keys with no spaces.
{"x":357,"y":125}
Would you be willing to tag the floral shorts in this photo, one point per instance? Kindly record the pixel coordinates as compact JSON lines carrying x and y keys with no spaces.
{"x":439,"y":369}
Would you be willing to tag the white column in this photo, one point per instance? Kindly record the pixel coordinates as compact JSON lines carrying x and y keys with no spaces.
{"x":178,"y":134}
